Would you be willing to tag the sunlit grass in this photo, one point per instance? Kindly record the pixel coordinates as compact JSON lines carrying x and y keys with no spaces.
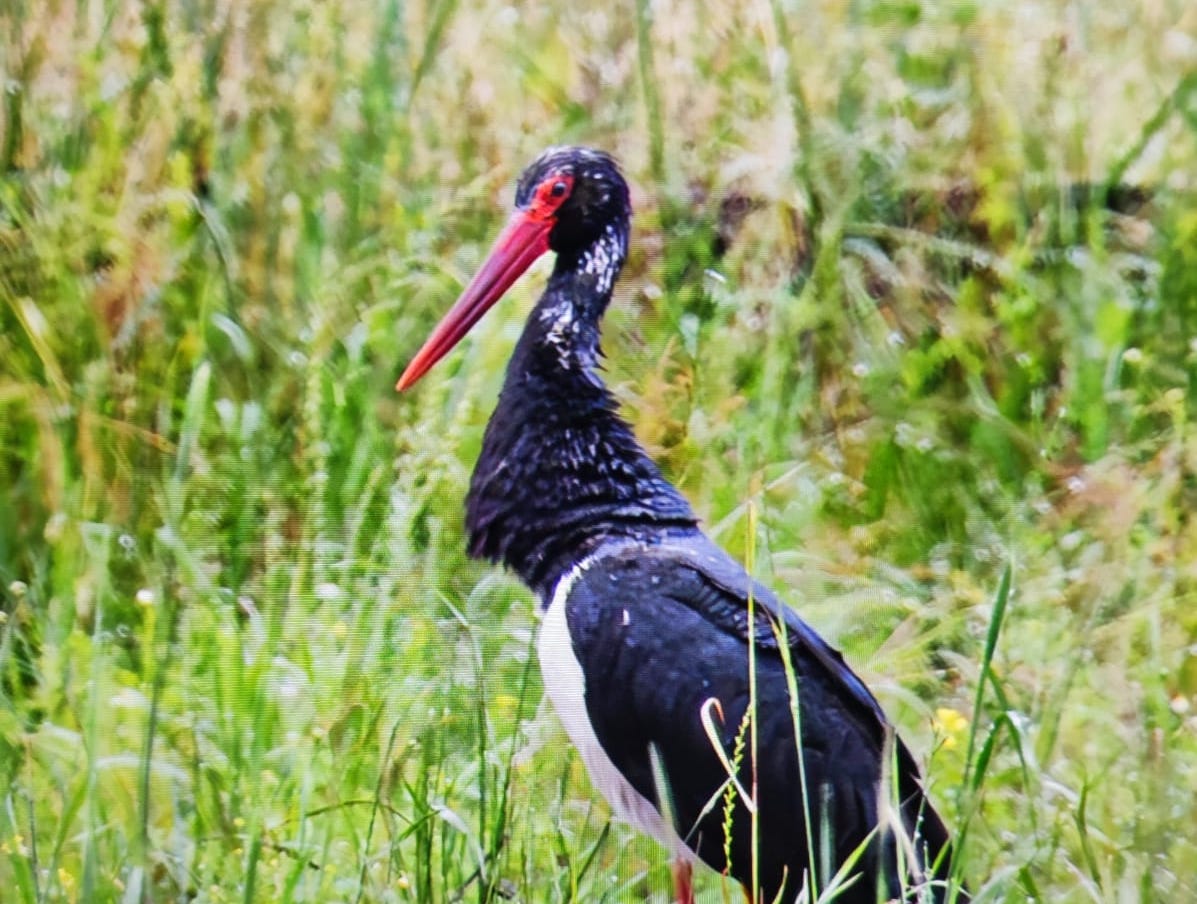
{"x":877,"y":295}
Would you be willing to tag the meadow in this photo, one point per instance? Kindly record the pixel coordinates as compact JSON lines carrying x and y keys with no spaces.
{"x":910,"y":317}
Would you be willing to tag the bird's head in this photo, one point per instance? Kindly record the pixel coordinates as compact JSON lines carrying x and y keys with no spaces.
{"x":582,"y":191}
{"x":570,"y":200}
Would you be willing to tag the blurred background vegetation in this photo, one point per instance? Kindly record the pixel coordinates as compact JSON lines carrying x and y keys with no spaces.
{"x":915,"y":281}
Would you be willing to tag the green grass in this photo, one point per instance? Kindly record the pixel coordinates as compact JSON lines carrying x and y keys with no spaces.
{"x":875,"y":296}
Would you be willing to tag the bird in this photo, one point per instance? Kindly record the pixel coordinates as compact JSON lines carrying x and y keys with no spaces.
{"x":709,"y":714}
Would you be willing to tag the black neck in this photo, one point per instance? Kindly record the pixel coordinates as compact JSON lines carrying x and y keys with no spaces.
{"x":560,"y":471}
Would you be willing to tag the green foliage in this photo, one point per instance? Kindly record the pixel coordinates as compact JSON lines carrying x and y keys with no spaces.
{"x":916,"y":283}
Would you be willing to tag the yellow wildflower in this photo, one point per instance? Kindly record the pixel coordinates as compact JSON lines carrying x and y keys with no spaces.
{"x":949,"y":725}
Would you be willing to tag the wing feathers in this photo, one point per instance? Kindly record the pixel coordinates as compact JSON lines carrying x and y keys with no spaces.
{"x":660,"y":632}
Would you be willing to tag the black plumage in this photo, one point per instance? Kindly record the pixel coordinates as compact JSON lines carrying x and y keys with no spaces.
{"x":645,"y":647}
{"x":667,"y":627}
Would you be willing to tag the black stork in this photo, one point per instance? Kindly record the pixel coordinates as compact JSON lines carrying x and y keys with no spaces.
{"x":647,"y":624}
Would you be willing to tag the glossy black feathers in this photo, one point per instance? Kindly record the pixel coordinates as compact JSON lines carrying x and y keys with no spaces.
{"x":659,"y":631}
{"x":657,"y":616}
{"x":560,"y":471}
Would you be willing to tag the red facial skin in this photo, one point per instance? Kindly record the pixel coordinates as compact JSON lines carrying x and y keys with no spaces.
{"x":522,"y":241}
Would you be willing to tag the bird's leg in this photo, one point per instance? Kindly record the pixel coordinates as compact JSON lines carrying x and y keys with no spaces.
{"x":682,"y":872}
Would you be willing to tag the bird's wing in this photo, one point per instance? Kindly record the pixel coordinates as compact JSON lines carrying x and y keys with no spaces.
{"x":720,"y":588}
{"x":807,"y":645}
{"x":659,"y":633}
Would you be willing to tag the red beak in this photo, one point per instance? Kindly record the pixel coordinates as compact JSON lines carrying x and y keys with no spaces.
{"x":522,"y":241}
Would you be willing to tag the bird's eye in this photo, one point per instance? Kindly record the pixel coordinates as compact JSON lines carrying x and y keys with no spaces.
{"x":551,"y":194}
